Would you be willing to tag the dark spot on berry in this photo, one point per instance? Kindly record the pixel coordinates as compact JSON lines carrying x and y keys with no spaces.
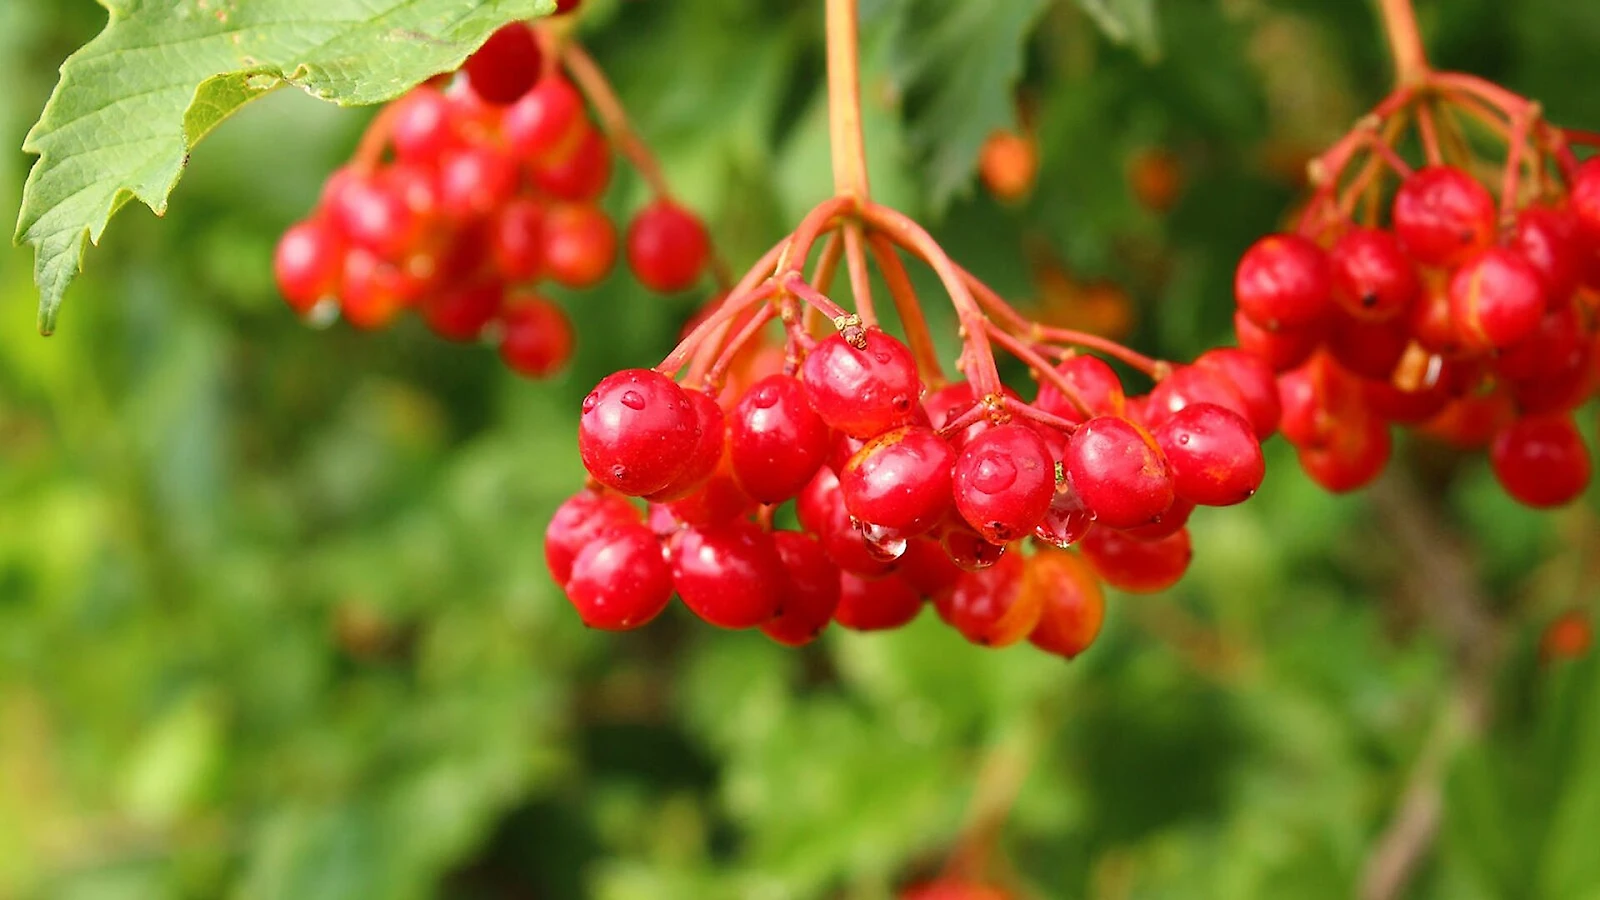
{"x":1369,"y":300}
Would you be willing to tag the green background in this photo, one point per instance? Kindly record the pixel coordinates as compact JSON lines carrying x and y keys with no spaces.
{"x":274,"y":618}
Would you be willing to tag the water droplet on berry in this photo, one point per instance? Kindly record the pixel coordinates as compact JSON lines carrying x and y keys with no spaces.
{"x":994,"y":474}
{"x":882,"y":357}
{"x":883,"y":543}
{"x":765,"y":396}
{"x":633,"y":399}
{"x":590,"y":401}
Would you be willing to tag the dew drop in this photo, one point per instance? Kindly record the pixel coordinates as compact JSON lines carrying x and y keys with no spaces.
{"x":765,"y":397}
{"x":1183,"y":439}
{"x":884,"y":544}
{"x":591,"y":400}
{"x":994,"y":474}
{"x":633,"y":399}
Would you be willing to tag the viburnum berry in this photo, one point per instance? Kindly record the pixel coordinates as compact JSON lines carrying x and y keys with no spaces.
{"x":1495,"y":299}
{"x":879,"y":605}
{"x":809,"y":593}
{"x":1583,"y":198}
{"x":619,"y":579}
{"x":1470,"y":423}
{"x":370,"y":213}
{"x":581,"y":175}
{"x":476,"y":180}
{"x":968,"y":549}
{"x":1365,"y":348}
{"x":1213,"y":453}
{"x":1188,"y":385}
{"x":460,"y":314}
{"x":577,"y":522}
{"x":863,"y":392}
{"x":899,"y":480}
{"x":1135,"y":566}
{"x":1568,"y":636}
{"x":1284,"y":282}
{"x":1008,"y":163}
{"x":308,"y":263}
{"x":547,"y":122}
{"x":1072,"y":607}
{"x":1003,"y":482}
{"x":1175,"y":518}
{"x":421,"y":125}
{"x":506,"y":66}
{"x":1094,"y":382}
{"x":730,"y":575}
{"x":1119,"y":472}
{"x":776,"y":442}
{"x":1547,"y":238}
{"x":844,"y":542}
{"x":708,"y":451}
{"x":667,"y":247}
{"x":1373,"y":278}
{"x":372,"y":292}
{"x":1356,"y":453}
{"x":535,"y":336}
{"x":1253,"y":380}
{"x":1441,"y":215}
{"x":989,"y":607}
{"x":953,"y":889}
{"x":578,"y":245}
{"x":925,"y":567}
{"x":637,"y":431}
{"x":1281,"y":349}
{"x":1541,"y":461}
{"x":719,"y":499}
{"x":516,"y":239}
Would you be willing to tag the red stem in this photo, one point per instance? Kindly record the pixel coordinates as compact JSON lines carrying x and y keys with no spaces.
{"x":909,"y":309}
{"x":1042,"y":368}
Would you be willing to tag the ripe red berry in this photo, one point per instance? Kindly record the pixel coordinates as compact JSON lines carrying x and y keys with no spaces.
{"x":1568,"y":636}
{"x":1096,"y":384}
{"x":421,"y":126}
{"x":536,"y":336}
{"x":875,"y":605}
{"x":1357,"y":452}
{"x":619,"y":579}
{"x":1280,"y":350}
{"x":577,"y":522}
{"x":581,"y":175}
{"x":720,"y":499}
{"x":1541,"y":461}
{"x":863,"y":392}
{"x":1254,"y":381}
{"x":637,"y":431}
{"x":1373,"y":278}
{"x":707,"y":454}
{"x":1547,"y":238}
{"x":1366,"y":348}
{"x":506,"y":66}
{"x":1119,"y":472}
{"x":1495,"y":299}
{"x":1135,"y":566}
{"x":954,"y":889}
{"x":1072,"y":607}
{"x":730,"y":575}
{"x":372,"y":214}
{"x":1003,"y":482}
{"x":1283,"y":282}
{"x":776,"y":442}
{"x":516,"y":239}
{"x":989,"y":607}
{"x":1176,"y":517}
{"x":547,"y":122}
{"x":809,"y":593}
{"x":899,"y":480}
{"x":461,"y":312}
{"x":1441,"y":215}
{"x":1470,"y":423}
{"x":667,"y":247}
{"x":1558,"y":348}
{"x":476,"y":180}
{"x":308,"y":263}
{"x":578,"y":244}
{"x":1584,"y":201}
{"x":372,"y":292}
{"x":925,"y":567}
{"x":822,"y":511}
{"x":1215,"y":457}
{"x":1188,"y":385}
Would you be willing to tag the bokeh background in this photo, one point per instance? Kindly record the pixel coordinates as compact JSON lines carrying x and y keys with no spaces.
{"x":274,"y":620}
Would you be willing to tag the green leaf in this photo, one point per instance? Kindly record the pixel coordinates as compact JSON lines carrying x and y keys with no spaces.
{"x":1128,"y":22}
{"x":132,"y":103}
{"x":956,"y":64}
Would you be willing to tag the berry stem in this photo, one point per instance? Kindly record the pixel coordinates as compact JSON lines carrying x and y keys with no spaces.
{"x":718,"y":372}
{"x":822,"y":274}
{"x":374,"y":141}
{"x":797,"y":286}
{"x":860,"y":282}
{"x":844,"y":100}
{"x":909,"y":309}
{"x":900,"y":229}
{"x":1042,"y":368}
{"x":1516,"y":147}
{"x":798,"y":247}
{"x":1034,"y":414}
{"x":742,"y":294}
{"x":1428,"y":131}
{"x":614,"y":121}
{"x":1405,"y":41}
{"x":1581,"y":137}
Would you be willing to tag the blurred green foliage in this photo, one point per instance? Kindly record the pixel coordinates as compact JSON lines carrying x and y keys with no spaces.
{"x":274,"y":620}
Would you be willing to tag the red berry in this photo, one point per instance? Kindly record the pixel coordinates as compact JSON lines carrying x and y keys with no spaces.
{"x":371,"y":292}
{"x":1215,"y":457}
{"x":372,"y":214}
{"x":637,"y":431}
{"x":1356,"y":454}
{"x":516,"y":236}
{"x":925,"y":567}
{"x":967,"y":548}
{"x":460,"y":313}
{"x":899,"y":480}
{"x":1008,"y":163}
{"x":989,"y":607}
{"x":730,"y":575}
{"x":863,"y":392}
{"x":1176,"y":517}
{"x":1441,"y":215}
{"x":1568,"y":636}
{"x":1254,"y":381}
{"x":720,"y":499}
{"x":580,"y":176}
{"x":505,"y":66}
{"x":536,"y":337}
{"x":875,"y":605}
{"x":1283,"y":282}
{"x":475,"y":181}
{"x":667,"y":247}
{"x":308,"y":264}
{"x":578,"y":245}
{"x":1584,"y":201}
{"x":809,"y":594}
{"x":421,"y":126}
{"x":707,"y":454}
{"x":814,"y":504}
{"x":577,"y":522}
{"x":776,"y":442}
{"x":1135,"y":566}
{"x":1541,"y":461}
{"x":1495,"y":299}
{"x":619,"y":579}
{"x":1095,"y":383}
{"x":1390,"y":403}
{"x":547,"y":122}
{"x":1119,"y":472}
{"x":845,"y":543}
{"x":1366,"y":348}
{"x":1072,"y":607}
{"x":1373,"y":279}
{"x":1558,"y":347}
{"x":1003,"y":482}
{"x":1470,"y":423}
{"x":1280,"y":350}
{"x":1188,"y":385}
{"x":1547,"y":238}
{"x":563,"y":7}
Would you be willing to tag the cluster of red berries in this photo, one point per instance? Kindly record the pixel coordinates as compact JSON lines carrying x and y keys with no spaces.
{"x":902,"y":496}
{"x":469,"y":193}
{"x":1473,"y":321}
